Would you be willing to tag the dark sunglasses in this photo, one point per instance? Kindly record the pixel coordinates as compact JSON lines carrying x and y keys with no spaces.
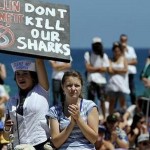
{"x":145,"y":143}
{"x":142,"y":122}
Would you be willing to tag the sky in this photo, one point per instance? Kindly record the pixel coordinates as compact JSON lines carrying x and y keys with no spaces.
{"x":108,"y":19}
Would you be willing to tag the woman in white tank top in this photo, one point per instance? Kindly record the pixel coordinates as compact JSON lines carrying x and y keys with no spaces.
{"x":118,"y":82}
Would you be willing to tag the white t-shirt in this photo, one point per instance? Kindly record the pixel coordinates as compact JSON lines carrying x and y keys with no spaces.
{"x":96,"y":61}
{"x":33,"y":128}
{"x":57,"y":75}
{"x":129,"y":55}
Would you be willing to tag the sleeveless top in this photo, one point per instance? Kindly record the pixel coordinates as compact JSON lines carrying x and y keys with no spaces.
{"x":118,"y":82}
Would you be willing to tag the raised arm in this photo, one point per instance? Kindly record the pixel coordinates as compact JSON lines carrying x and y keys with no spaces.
{"x":42,"y":74}
{"x":60,"y":66}
{"x":2,"y":71}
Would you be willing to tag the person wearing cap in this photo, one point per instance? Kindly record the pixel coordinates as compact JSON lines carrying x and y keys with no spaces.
{"x":143,"y":141}
{"x":130,"y":55}
{"x":26,"y":111}
{"x":96,"y":63}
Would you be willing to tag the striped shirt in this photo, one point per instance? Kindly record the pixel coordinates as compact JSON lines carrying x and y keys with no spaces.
{"x":76,"y":140}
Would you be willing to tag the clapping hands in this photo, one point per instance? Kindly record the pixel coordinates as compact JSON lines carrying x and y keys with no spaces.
{"x":74,"y":111}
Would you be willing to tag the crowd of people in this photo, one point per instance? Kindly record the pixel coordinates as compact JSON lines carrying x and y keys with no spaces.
{"x":73,"y":122}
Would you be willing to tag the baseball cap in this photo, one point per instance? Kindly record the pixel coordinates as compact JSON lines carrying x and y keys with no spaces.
{"x":23,"y":65}
{"x":112,"y":118}
{"x":96,"y":40}
{"x":143,"y":137}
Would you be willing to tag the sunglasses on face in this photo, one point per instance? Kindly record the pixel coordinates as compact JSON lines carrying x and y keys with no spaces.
{"x":123,"y":39}
{"x":142,"y":122}
{"x":145,"y":143}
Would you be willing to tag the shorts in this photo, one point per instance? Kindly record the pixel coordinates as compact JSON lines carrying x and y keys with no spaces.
{"x":116,"y":95}
{"x":96,"y":90}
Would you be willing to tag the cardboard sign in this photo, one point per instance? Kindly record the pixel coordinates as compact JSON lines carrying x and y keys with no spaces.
{"x":35,"y":28}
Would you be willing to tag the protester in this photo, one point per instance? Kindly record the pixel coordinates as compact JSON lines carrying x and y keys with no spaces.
{"x":26,"y":111}
{"x":74,"y":124}
{"x":117,"y":86}
{"x":131,"y":57}
{"x":58,"y":71}
{"x":96,"y":63}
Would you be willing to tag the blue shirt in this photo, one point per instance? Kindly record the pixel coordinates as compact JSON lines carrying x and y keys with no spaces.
{"x":76,"y":140}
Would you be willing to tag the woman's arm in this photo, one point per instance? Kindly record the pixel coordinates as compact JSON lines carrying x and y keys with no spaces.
{"x":60,"y":66}
{"x":89,"y":129}
{"x":2,"y":71}
{"x":110,"y":69}
{"x":108,"y":145}
{"x":7,"y":127}
{"x":120,"y":141}
{"x":134,"y":136}
{"x":122,"y":70}
{"x":57,"y":137}
{"x":42,"y":74}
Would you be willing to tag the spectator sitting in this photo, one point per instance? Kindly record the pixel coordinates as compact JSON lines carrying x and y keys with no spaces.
{"x":102,"y":144}
{"x":113,"y":134}
{"x":143,"y":141}
{"x":122,"y":123}
{"x":138,"y":127}
{"x":132,"y":110}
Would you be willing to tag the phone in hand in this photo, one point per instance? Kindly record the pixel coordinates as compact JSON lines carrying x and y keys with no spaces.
{"x":8,"y":121}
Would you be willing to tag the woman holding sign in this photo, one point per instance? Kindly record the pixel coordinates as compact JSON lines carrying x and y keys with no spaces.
{"x":27,"y":110}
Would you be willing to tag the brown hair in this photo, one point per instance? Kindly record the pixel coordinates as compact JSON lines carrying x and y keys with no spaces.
{"x":72,"y":73}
